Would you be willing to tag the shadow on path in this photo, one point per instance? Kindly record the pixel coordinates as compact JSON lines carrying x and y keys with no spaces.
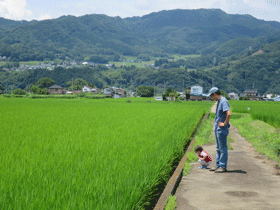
{"x":234,"y":171}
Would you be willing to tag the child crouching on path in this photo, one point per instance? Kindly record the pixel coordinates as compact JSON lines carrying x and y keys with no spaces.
{"x":204,"y":157}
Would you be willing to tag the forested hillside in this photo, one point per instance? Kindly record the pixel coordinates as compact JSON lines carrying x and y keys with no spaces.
{"x":261,"y":71}
{"x":176,"y":31}
{"x":234,"y":52}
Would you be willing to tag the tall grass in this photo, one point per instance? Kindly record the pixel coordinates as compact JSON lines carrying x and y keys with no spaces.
{"x":89,"y":154}
{"x":267,"y":111}
{"x":264,"y":137}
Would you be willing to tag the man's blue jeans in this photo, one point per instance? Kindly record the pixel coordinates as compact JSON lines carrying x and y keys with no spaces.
{"x":221,"y":147}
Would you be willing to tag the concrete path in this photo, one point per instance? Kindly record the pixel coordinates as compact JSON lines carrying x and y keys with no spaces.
{"x":252,"y":182}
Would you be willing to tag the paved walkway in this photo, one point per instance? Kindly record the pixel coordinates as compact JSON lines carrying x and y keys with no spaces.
{"x":252,"y":182}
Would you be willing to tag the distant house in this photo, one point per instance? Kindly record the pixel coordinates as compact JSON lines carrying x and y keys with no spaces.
{"x":196,"y":93}
{"x":122,"y":92}
{"x":87,"y":88}
{"x":252,"y":95}
{"x":276,"y":99}
{"x":56,"y":89}
{"x":268,"y":96}
{"x":114,"y":92}
{"x":69,"y":92}
{"x":182,"y":95}
{"x":233,"y":96}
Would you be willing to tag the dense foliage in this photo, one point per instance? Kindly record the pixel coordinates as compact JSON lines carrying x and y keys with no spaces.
{"x":260,"y":71}
{"x":102,"y":38}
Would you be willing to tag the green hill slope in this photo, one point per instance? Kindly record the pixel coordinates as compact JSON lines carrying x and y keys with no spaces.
{"x":175,"y":31}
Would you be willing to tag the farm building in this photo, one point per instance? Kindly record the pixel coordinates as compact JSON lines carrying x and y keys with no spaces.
{"x":87,"y":88}
{"x":196,"y":93}
{"x":276,"y":99}
{"x":115,"y":92}
{"x":233,"y":96}
{"x":182,"y":95}
{"x":252,"y":95}
{"x":56,"y":89}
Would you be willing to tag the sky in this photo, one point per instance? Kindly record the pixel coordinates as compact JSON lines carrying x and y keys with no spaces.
{"x":52,"y":9}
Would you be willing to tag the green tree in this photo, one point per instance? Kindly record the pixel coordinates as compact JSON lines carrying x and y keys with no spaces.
{"x":168,"y":92}
{"x":160,"y":62}
{"x":2,"y":88}
{"x":78,"y":84}
{"x":43,"y":91}
{"x":145,"y":91}
{"x":144,"y":57}
{"x":116,"y":57}
{"x":35,"y":89}
{"x":98,"y":59}
{"x":188,"y":93}
{"x":19,"y":91}
{"x":45,"y":82}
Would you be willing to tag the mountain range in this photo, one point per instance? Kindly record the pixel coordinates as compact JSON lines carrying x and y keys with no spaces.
{"x":237,"y":52}
{"x":202,"y":31}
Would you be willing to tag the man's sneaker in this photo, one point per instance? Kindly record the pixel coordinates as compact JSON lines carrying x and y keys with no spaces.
{"x":202,"y":167}
{"x":221,"y":170}
{"x":214,"y":169}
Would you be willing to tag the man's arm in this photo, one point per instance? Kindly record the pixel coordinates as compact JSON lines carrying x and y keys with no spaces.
{"x":223,"y":124}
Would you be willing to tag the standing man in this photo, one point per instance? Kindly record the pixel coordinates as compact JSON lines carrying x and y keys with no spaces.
{"x":221,"y":129}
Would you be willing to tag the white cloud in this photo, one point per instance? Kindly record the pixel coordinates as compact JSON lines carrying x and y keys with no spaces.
{"x":14,"y":9}
{"x":45,"y":17}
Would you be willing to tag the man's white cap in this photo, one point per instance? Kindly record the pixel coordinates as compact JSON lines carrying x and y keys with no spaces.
{"x":213,"y":90}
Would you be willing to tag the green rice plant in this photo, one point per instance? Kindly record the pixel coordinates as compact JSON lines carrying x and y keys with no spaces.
{"x":34,"y":96}
{"x":97,"y":96}
{"x":89,"y":154}
{"x":264,"y":137}
{"x":267,"y":111}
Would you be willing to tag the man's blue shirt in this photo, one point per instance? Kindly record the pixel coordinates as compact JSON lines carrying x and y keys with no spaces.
{"x":221,"y":111}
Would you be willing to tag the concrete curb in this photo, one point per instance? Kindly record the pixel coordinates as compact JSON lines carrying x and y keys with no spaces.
{"x":175,"y":179}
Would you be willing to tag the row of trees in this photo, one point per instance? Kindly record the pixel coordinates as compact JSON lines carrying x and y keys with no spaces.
{"x":149,"y":91}
{"x":42,"y":85}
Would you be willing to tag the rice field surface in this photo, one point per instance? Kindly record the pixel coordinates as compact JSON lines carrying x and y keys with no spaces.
{"x":267,"y":111}
{"x":89,"y":154}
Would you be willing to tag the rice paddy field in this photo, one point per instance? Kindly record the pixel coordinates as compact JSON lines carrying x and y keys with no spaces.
{"x":267,"y":111}
{"x":89,"y":154}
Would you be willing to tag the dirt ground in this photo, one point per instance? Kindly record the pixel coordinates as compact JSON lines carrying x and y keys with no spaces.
{"x":252,"y":181}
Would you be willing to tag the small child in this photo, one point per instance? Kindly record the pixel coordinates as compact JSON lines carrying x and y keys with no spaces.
{"x":204,"y":157}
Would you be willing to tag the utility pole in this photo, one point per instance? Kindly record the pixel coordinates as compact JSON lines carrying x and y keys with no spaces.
{"x":72,"y":84}
{"x":164,"y":85}
{"x":154,"y":89}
